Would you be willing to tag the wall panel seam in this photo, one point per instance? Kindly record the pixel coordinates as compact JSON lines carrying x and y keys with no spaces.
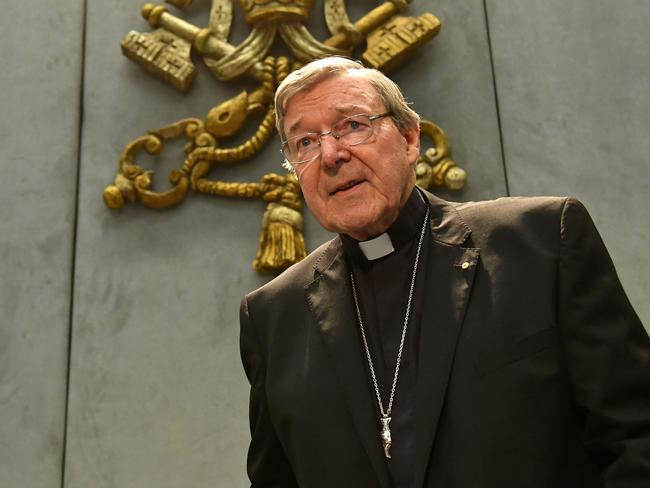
{"x":496,"y":96}
{"x":75,"y":221}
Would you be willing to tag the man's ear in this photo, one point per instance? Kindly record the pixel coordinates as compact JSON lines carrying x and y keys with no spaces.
{"x":412,"y":137}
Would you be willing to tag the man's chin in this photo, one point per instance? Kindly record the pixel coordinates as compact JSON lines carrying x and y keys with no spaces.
{"x":362,"y":228}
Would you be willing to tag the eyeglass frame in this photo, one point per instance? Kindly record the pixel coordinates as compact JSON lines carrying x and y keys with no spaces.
{"x":371,"y":118}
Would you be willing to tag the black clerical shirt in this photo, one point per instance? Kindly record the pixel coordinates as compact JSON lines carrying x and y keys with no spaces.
{"x":383,"y":290}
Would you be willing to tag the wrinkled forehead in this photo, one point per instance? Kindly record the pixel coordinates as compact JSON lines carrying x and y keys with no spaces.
{"x":342,"y":94}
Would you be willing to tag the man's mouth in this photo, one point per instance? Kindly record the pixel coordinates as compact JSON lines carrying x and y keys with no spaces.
{"x":346,"y":186}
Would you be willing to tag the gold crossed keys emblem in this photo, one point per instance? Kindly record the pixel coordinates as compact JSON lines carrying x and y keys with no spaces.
{"x":166,"y":52}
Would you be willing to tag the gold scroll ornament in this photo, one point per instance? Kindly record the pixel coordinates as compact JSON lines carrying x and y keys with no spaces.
{"x":166,"y":52}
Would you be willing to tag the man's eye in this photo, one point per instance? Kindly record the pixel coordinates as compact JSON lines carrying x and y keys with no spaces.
{"x":304,"y":142}
{"x":353,"y":124}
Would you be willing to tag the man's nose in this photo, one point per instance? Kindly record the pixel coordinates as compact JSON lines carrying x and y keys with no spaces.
{"x":333,"y":151}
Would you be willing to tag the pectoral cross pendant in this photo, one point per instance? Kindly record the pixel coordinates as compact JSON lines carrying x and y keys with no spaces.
{"x":385,"y":435}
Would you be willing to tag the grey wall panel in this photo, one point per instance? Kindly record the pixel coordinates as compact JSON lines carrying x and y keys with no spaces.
{"x":158,"y":396}
{"x":39,"y":120}
{"x":450,"y":83}
{"x":573,"y":87}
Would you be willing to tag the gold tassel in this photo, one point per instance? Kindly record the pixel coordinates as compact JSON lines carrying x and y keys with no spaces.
{"x":281,"y":242}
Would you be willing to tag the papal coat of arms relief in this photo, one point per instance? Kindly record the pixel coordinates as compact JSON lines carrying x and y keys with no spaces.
{"x":386,"y":36}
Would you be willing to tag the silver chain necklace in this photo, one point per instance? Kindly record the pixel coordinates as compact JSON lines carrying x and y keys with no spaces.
{"x":385,"y":419}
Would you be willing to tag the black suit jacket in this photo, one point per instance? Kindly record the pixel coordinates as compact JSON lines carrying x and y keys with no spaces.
{"x":534,"y":370}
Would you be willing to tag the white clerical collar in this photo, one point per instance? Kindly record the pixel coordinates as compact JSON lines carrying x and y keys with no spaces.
{"x":377,"y":248}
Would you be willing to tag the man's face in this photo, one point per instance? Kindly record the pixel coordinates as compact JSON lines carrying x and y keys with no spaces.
{"x":356,"y":190}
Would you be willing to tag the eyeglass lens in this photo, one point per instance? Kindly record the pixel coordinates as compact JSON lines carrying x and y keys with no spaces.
{"x":350,"y":131}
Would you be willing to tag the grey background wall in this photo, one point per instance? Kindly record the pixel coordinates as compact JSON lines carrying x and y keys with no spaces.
{"x":119,"y":364}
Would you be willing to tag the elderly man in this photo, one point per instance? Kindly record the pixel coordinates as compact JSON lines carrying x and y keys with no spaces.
{"x":434,"y":344}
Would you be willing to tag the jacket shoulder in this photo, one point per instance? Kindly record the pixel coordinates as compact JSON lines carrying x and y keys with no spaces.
{"x":521,"y":219}
{"x":297,"y":276}
{"x":506,"y":208}
{"x":534,"y":214}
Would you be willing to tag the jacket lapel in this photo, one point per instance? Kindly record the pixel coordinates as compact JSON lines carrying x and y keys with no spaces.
{"x":330,"y":299}
{"x":449,"y":278}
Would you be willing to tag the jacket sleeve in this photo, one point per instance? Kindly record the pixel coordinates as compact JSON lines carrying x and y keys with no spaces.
{"x":267,"y":464}
{"x":607,"y":352}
